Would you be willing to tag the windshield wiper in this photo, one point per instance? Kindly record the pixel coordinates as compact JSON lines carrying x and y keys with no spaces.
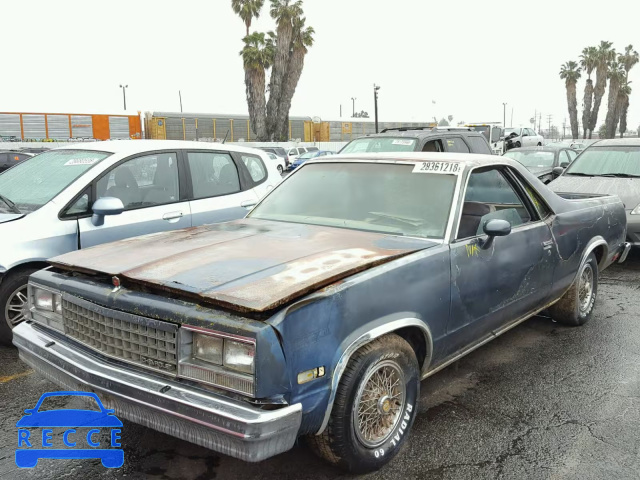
{"x":578,"y":174}
{"x":619,"y":175}
{"x":10,"y":204}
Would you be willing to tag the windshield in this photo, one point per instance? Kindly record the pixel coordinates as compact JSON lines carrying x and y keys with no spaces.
{"x":533,"y":159}
{"x":606,"y":160}
{"x":509,"y":131}
{"x":307,"y":156}
{"x":381,"y":144}
{"x":34,"y":182}
{"x":375,"y":197}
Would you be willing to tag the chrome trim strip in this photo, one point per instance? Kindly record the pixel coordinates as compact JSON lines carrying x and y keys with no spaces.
{"x":215,"y":333}
{"x":363,"y":340}
{"x":625,"y":252}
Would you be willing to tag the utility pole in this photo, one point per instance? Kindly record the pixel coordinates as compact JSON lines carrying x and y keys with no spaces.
{"x":353,"y":100}
{"x":504,"y":115}
{"x":535,"y":120}
{"x":511,"y":123}
{"x":549,"y":117}
{"x":124,"y":95}
{"x":180,"y":95}
{"x":564,"y":125}
{"x":340,"y":110}
{"x":375,"y":102}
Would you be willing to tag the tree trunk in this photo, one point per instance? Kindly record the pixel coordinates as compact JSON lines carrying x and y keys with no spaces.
{"x":254,"y":79}
{"x":612,"y":108}
{"x":572,"y":102}
{"x":278,"y":74}
{"x":586,"y":114}
{"x":598,"y":93}
{"x":624,"y":108}
{"x":294,"y":72}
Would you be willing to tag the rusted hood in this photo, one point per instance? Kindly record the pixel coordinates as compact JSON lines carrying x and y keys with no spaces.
{"x":247,"y":265}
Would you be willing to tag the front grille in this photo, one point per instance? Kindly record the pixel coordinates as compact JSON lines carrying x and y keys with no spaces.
{"x":130,"y":338}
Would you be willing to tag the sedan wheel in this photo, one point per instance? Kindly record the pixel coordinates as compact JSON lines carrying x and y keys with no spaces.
{"x":17,"y":308}
{"x":280,"y":169}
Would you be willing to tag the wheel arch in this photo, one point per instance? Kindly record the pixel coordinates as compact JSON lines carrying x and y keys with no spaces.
{"x":414,"y":330}
{"x":29,"y":264}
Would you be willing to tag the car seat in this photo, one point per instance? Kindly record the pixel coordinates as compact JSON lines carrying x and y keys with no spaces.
{"x":472,"y":214}
{"x":125,"y":188}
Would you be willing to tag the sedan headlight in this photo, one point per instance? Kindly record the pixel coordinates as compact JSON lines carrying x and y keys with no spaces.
{"x":216,"y":358}
{"x":636,"y":211}
{"x":45,"y":306}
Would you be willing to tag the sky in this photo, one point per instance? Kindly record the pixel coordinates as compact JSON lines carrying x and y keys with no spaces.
{"x":468,"y":57}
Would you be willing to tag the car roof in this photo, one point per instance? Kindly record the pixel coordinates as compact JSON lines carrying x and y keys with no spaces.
{"x":618,"y":142}
{"x":422,"y":133}
{"x":546,"y":148}
{"x":141,"y":146}
{"x":468,"y":159}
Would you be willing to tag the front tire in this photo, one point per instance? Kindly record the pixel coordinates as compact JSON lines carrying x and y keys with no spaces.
{"x":374,"y":408}
{"x":13,"y":302}
{"x":280,"y":169}
{"x":518,"y":144}
{"x":575,"y":308}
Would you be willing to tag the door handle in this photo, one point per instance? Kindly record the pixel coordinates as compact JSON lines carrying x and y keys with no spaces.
{"x":249,"y":204}
{"x":172,"y":216}
{"x":547,"y":244}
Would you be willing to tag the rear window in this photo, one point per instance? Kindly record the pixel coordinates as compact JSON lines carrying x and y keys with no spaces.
{"x":621,"y":161}
{"x":381,"y":144}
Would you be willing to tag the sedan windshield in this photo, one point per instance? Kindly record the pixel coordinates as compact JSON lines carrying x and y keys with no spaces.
{"x":533,"y":159}
{"x":381,"y":144}
{"x":614,"y":161}
{"x":375,"y":197}
{"x":509,"y":131}
{"x":308,"y":155}
{"x":34,"y":182}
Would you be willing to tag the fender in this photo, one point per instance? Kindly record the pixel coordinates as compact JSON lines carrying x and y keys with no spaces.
{"x":362,"y":340}
{"x":591,"y":246}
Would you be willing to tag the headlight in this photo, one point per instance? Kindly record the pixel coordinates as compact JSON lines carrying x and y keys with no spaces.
{"x":636,"y":211}
{"x":45,"y":306}
{"x":239,"y":356}
{"x":216,"y":358}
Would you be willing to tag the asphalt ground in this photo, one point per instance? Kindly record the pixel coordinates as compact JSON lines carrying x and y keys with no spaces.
{"x":543,"y":401}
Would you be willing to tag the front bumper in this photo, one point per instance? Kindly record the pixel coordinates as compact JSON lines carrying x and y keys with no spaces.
{"x":212,"y":421}
{"x":633,"y":229}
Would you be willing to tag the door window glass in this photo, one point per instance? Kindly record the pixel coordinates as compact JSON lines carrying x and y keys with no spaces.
{"x":572,"y":154}
{"x":490,"y":196}
{"x":79,"y":207}
{"x":212,"y":174}
{"x":457,"y":145}
{"x":479,"y":145}
{"x":142,"y":181}
{"x":433,"y":146}
{"x":255,"y":166}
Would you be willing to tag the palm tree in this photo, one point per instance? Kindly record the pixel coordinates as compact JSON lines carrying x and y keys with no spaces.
{"x":283,"y":12}
{"x":257,"y":57}
{"x":616,"y":78}
{"x":605,"y":55}
{"x":625,"y":92}
{"x":302,"y":39}
{"x":570,"y":73}
{"x":247,"y":10}
{"x":629,"y":59}
{"x":588,"y":62}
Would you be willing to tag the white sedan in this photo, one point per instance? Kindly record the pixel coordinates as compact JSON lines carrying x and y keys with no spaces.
{"x":277,"y":161}
{"x":522,"y":137}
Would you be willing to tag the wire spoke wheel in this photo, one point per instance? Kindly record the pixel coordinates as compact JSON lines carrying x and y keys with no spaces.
{"x":379,"y":403}
{"x":585,"y":289}
{"x":17,"y":308}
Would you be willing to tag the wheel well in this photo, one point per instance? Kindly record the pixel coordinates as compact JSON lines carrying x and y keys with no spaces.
{"x":599,"y":252}
{"x":415,"y":337}
{"x":27,"y":266}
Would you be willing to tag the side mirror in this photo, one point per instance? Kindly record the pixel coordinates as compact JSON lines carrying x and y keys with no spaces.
{"x":106,"y":206}
{"x":557,"y":171}
{"x":564,"y":164}
{"x":495,"y":228}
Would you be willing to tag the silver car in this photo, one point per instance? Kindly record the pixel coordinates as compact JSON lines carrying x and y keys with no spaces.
{"x":84,"y":195}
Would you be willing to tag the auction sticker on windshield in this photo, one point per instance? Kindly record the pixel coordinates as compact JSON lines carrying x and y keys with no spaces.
{"x":447,"y":168}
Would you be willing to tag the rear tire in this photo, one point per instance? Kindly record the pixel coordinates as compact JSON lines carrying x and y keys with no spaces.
{"x":13,"y":296}
{"x":518,"y":144}
{"x":539,"y":144}
{"x":575,"y":308}
{"x":280,"y":169}
{"x":374,"y":408}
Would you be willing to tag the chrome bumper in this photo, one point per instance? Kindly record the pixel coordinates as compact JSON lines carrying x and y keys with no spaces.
{"x":221,"y":424}
{"x":625,"y":252}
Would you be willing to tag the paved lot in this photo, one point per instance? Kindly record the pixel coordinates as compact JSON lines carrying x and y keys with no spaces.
{"x":541,"y":402}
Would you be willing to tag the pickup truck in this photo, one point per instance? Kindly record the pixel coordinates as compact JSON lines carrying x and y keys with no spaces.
{"x":319,"y":314}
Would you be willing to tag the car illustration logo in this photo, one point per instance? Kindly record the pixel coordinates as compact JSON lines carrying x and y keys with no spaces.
{"x":83,"y":433}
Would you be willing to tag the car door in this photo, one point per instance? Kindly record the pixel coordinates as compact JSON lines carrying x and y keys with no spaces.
{"x":455,"y":145}
{"x":150,"y":189}
{"x":495,"y":285}
{"x":219,"y":189}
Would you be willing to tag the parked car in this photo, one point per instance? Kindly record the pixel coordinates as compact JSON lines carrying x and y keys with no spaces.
{"x":295,"y":152}
{"x":522,"y":137}
{"x":542,"y":160}
{"x":308,"y":156}
{"x":607,"y":167}
{"x":319,"y":314}
{"x":279,"y":151}
{"x":83,"y":195}
{"x":415,"y":139}
{"x":9,"y":158}
{"x":279,"y":162}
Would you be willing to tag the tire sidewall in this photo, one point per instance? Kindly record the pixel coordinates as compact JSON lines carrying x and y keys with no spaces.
{"x":365,"y":458}
{"x":9,"y":284}
{"x":584,"y":316}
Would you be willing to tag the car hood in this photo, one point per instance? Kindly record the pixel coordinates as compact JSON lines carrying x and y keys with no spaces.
{"x":10,"y":217}
{"x":247,"y":265}
{"x":628,"y":189}
{"x":540,"y":170}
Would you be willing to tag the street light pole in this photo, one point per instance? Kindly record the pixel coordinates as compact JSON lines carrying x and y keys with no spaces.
{"x":504,"y":115}
{"x":375,"y":102}
{"x":353,"y":100}
{"x":124,"y":95}
{"x":180,"y":95}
